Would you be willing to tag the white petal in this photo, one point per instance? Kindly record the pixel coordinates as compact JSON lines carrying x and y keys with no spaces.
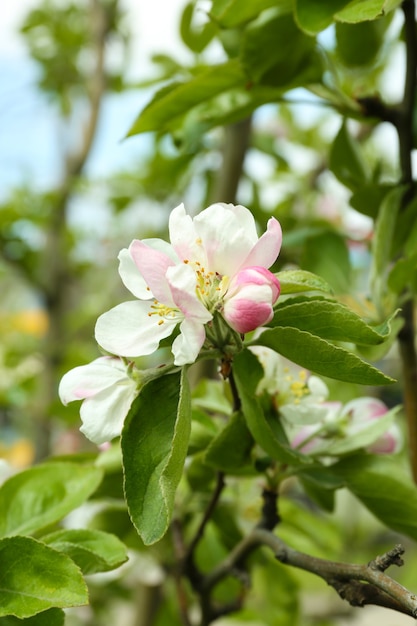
{"x":189,"y":342}
{"x":182,"y":282}
{"x":104,"y":414}
{"x":227,"y":234}
{"x":318,"y":388}
{"x":266,"y":249}
{"x":184,"y":237}
{"x":131,"y":277}
{"x":152,"y":265}
{"x":304,"y":412}
{"x":129,"y":330}
{"x":162,"y":246}
{"x":87,"y":380}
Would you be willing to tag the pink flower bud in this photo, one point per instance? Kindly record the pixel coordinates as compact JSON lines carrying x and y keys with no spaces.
{"x":250,"y":297}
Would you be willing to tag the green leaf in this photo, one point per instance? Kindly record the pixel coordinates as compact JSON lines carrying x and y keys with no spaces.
{"x":346,"y":160}
{"x":327,"y":255}
{"x":384,"y":229}
{"x":154,"y":446}
{"x":43,"y":495}
{"x":361,"y":10}
{"x":403,"y":273}
{"x":296,"y":281}
{"x":320,"y":356}
{"x":92,"y":550}
{"x":237,"y":12}
{"x":278,"y":65}
{"x":384,"y":487}
{"x":265,"y":428}
{"x":169,"y":104}
{"x":410,"y":245}
{"x":382,"y":244}
{"x":50,"y":617}
{"x":263,"y":604}
{"x":203,"y":430}
{"x":34,"y":577}
{"x":230,"y":451}
{"x":227,"y":108}
{"x":329,"y":320}
{"x":196,"y":39}
{"x":314,"y":16}
{"x":367,"y":199}
{"x":200,"y":476}
{"x":358,"y":45}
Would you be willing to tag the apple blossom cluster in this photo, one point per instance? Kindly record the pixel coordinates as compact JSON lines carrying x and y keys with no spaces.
{"x":215,"y":263}
{"x":311,"y":421}
{"x":214,"y":268}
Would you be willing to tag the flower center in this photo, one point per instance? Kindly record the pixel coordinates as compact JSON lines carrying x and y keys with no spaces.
{"x":297,"y":388}
{"x":163,"y":311}
{"x":210,"y":286}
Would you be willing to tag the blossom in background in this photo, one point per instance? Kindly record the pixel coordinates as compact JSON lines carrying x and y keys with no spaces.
{"x":107,"y":391}
{"x":299,"y":397}
{"x":215,"y":263}
{"x":312,"y":422}
{"x":360,"y":411}
{"x":348,"y":421}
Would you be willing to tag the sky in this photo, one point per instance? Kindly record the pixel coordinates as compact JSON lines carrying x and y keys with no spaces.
{"x":29,"y":133}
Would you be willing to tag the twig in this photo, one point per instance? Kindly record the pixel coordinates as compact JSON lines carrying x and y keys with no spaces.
{"x":180,"y":551}
{"x":207,"y":516}
{"x":358,"y":584}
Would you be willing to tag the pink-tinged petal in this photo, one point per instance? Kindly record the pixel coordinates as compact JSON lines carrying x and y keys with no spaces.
{"x":244,"y":315}
{"x":250,"y":297}
{"x":104,"y":414}
{"x":389,"y":443}
{"x":152,"y":265}
{"x":189,"y":342}
{"x":364,"y":409}
{"x":304,"y":434}
{"x":227,"y":234}
{"x":184,"y":237}
{"x":182,"y":282}
{"x":255,"y":276}
{"x":131,"y":277}
{"x":129,"y":330}
{"x":267,"y":248}
{"x":87,"y":380}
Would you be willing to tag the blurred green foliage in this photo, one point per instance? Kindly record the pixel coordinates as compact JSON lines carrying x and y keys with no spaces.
{"x":301,"y":72}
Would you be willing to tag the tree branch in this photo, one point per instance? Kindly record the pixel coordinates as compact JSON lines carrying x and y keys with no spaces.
{"x":54,"y":272}
{"x":358,"y":584}
{"x":404,"y":126}
{"x":405,"y":120}
{"x":235,"y":145}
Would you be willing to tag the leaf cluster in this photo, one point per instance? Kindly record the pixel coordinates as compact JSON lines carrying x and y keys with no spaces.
{"x":43,"y":567}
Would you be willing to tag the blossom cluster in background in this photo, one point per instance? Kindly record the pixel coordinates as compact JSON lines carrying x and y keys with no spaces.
{"x":313,"y":424}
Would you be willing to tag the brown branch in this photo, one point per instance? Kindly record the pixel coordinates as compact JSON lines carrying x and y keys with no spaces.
{"x":404,"y":126}
{"x":180,"y":556}
{"x":405,"y":120}
{"x":358,"y":584}
{"x":54,"y":275}
{"x":235,"y":145}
